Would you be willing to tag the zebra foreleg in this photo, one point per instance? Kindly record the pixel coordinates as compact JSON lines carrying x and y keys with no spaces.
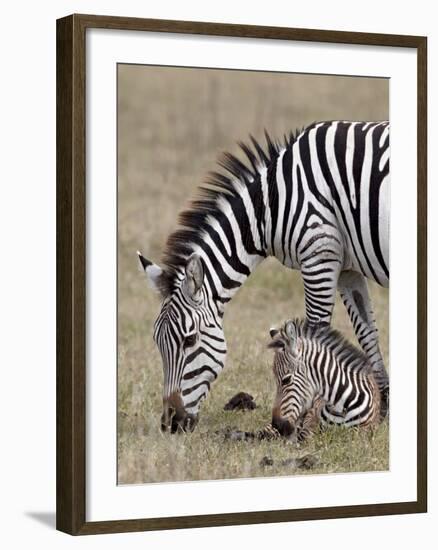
{"x":320,"y":275}
{"x":354,"y":293}
{"x":311,"y":421}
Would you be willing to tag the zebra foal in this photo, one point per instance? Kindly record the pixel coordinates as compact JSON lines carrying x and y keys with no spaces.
{"x":321,"y":379}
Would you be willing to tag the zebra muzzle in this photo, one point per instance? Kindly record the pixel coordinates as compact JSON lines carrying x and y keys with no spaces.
{"x":174,"y":418}
{"x":172,"y":422}
{"x":283,"y":426}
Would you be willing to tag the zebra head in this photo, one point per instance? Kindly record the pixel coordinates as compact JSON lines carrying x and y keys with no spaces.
{"x":287,"y":345}
{"x":189,"y":335}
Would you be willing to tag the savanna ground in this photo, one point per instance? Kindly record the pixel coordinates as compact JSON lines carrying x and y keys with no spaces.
{"x":172,"y":125}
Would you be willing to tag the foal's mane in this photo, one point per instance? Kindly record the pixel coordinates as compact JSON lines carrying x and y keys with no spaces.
{"x":328,"y":336}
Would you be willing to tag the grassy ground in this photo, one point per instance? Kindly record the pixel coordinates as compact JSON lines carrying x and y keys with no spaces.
{"x":172,"y":125}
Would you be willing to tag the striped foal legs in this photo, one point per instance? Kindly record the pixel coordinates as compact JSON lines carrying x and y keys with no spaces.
{"x":311,"y":420}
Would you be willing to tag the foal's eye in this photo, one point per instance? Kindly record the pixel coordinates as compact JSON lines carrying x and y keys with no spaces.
{"x":286,"y":379}
{"x":190,"y":340}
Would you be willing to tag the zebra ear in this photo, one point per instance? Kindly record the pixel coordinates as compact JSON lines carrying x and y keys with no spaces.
{"x":273,"y":332}
{"x":290,"y":330}
{"x":276,"y":343}
{"x":295,"y":342}
{"x":194,"y":274}
{"x":154,"y":273}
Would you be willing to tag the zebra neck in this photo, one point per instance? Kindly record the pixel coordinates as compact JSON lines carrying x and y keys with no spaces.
{"x":236,"y":240}
{"x":248,"y":227}
{"x":224,"y":280}
{"x":236,"y":227}
{"x":273,"y":189}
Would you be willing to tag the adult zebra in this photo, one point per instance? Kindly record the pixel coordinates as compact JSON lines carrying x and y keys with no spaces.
{"x":318,"y":203}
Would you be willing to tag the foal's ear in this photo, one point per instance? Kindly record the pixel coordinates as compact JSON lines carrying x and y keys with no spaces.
{"x":295,"y":343}
{"x":275,"y":343}
{"x":154,"y":274}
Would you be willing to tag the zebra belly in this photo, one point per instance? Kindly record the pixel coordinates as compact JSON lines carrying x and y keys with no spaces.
{"x":376,"y":272}
{"x":330,"y":415}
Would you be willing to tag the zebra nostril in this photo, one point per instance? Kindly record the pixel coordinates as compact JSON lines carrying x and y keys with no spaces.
{"x":175,"y":426}
{"x":164,"y":422}
{"x":167,"y":418}
{"x":190,"y":422}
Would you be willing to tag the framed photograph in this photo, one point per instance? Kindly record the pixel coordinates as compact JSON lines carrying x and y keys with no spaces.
{"x":231,"y":346}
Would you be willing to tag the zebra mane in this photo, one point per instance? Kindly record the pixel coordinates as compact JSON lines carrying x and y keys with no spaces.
{"x":328,"y":336}
{"x":218,"y":185}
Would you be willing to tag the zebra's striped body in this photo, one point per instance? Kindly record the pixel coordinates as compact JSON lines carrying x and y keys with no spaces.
{"x":318,"y":369}
{"x":319,"y":203}
{"x":321,"y":379}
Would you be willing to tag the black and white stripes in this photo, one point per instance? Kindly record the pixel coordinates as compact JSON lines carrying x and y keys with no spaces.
{"x":318,"y":203}
{"x":321,"y":379}
{"x":318,"y":364}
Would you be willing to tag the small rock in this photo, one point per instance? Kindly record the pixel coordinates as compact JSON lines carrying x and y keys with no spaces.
{"x":289,"y":462}
{"x":266,"y":461}
{"x":306,"y":462}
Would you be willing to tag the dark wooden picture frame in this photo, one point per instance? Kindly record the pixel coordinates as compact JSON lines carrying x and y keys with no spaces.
{"x":71,"y":274}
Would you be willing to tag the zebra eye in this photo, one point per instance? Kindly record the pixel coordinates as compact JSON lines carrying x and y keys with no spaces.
{"x":286,"y":379}
{"x":190,"y":340}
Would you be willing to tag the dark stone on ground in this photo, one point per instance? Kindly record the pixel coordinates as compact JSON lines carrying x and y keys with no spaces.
{"x":241,"y":401}
{"x":306,"y":462}
{"x":266,"y":461}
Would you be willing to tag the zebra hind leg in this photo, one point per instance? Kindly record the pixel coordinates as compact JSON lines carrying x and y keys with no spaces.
{"x":354,"y":293}
{"x":267,"y":433}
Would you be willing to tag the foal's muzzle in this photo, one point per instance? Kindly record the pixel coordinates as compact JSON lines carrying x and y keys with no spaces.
{"x":283,"y":426}
{"x":175,"y":418}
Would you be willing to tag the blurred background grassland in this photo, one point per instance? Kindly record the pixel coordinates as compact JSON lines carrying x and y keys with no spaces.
{"x":173,"y":123}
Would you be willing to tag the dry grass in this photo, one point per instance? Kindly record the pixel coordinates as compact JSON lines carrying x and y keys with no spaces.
{"x":172,"y":125}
